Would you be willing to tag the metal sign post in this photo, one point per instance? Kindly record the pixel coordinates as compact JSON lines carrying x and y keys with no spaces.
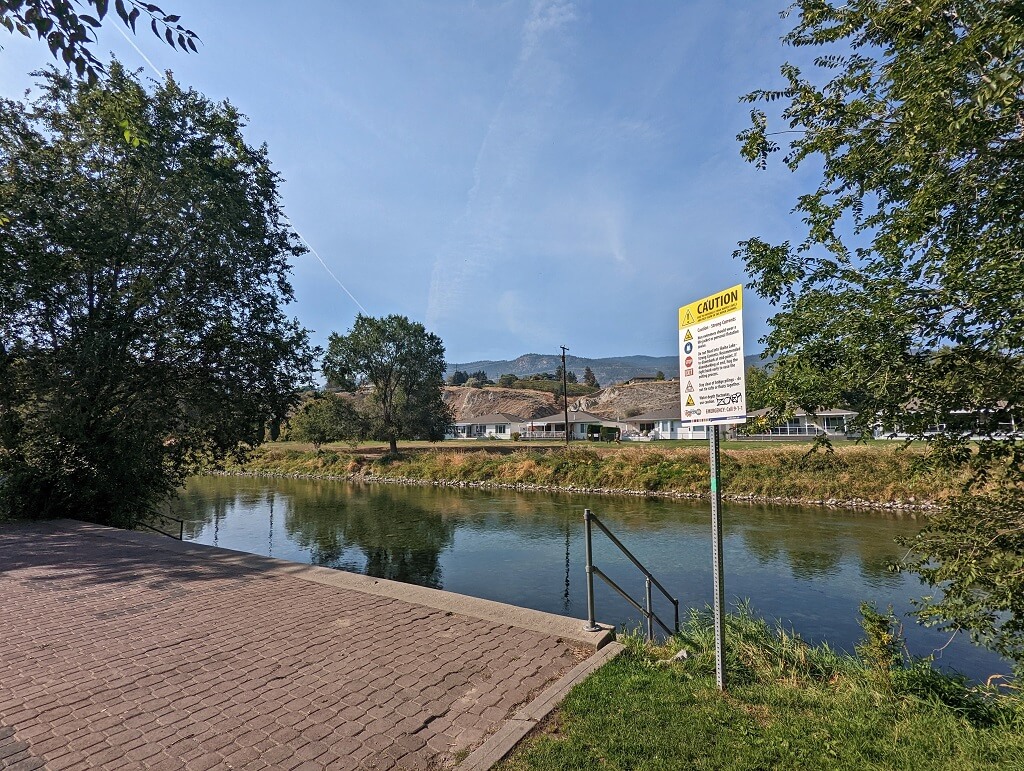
{"x":712,"y":391}
{"x":719,"y":568}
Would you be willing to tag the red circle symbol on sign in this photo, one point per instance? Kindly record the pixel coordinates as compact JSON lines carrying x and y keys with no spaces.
{"x":689,"y":361}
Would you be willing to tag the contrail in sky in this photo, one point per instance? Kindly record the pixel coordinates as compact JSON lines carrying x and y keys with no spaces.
{"x":301,"y":237}
{"x":138,"y":50}
{"x":329,"y":271}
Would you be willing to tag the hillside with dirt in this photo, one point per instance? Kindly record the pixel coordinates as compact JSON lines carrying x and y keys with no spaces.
{"x":474,"y":402}
{"x":613,"y":402}
{"x":618,"y":401}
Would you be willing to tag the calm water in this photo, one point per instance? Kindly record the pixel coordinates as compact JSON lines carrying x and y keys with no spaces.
{"x":808,"y":567}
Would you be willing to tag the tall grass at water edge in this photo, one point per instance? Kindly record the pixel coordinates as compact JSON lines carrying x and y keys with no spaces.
{"x":875,"y":473}
{"x":787,"y":705}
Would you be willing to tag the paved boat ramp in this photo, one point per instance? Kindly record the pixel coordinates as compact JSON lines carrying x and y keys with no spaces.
{"x":123,"y":650}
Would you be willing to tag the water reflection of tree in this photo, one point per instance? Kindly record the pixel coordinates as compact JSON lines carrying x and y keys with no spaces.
{"x":206,"y":501}
{"x":398,"y":538}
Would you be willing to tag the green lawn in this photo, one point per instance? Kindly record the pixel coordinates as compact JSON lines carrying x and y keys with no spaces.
{"x":788,"y":706}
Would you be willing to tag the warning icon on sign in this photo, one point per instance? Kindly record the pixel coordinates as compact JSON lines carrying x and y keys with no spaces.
{"x":688,"y":318}
{"x":689,"y":401}
{"x":688,"y":335}
{"x":689,"y":386}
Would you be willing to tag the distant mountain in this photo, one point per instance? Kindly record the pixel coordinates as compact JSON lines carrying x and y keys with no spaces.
{"x":614,"y":369}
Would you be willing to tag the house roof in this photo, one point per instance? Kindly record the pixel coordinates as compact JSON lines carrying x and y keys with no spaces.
{"x":492,"y":418}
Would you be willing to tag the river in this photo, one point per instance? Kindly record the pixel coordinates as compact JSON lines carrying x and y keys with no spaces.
{"x":807,"y":567}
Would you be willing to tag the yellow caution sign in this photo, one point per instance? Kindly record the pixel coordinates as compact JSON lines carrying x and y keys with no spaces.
{"x":689,"y":401}
{"x":729,"y":301}
{"x":688,"y":335}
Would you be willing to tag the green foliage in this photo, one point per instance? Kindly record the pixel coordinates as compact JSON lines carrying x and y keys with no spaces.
{"x":902,"y":300}
{"x":972,"y":553}
{"x":759,"y":390}
{"x":659,"y":375}
{"x":141,"y":295}
{"x":507,"y":380}
{"x":70,"y":34}
{"x":589,"y":378}
{"x":552,"y":387}
{"x":327,"y":418}
{"x":458,"y":377}
{"x":403,"y":365}
{"x":481,"y":377}
{"x":789,"y":705}
{"x":881,"y":651}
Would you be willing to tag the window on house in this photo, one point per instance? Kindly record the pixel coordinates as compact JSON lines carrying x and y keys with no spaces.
{"x":501,"y":428}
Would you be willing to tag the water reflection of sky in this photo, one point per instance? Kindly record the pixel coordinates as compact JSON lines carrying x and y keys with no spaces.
{"x":808,"y":568}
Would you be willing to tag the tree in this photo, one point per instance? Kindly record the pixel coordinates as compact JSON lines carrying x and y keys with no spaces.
{"x":481,"y":377}
{"x":458,"y":377}
{"x":507,"y":380}
{"x":142,"y":284}
{"x":759,"y":394}
{"x":903,"y":299}
{"x":71,"y":34}
{"x":403,"y":364}
{"x":659,"y":375}
{"x":589,"y":378}
{"x":326,"y":418}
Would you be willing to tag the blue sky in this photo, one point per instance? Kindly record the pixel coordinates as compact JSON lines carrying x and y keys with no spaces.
{"x":516,"y":175}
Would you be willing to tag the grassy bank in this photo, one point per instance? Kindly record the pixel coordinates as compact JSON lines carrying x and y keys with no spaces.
{"x":788,"y":705}
{"x":876,"y":473}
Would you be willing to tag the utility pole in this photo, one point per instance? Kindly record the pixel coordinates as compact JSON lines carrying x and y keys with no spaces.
{"x":565,"y":396}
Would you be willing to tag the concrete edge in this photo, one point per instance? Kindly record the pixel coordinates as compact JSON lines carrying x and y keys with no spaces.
{"x":499,"y":744}
{"x":564,"y":627}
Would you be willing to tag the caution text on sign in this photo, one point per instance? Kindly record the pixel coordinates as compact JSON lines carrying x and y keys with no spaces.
{"x":712,"y":379}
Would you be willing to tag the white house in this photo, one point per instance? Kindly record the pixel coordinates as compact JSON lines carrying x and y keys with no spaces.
{"x":497,"y":425}
{"x":581,"y":425}
{"x":831,"y":423}
{"x":661,"y":424}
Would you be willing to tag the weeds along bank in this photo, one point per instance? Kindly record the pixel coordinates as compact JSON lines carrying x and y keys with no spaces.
{"x":789,"y":705}
{"x":871,"y":475}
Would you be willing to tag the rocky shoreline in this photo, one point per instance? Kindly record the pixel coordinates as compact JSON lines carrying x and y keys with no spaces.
{"x":910,"y":507}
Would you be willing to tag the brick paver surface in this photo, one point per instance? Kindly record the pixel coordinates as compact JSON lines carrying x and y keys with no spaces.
{"x":118,"y":655}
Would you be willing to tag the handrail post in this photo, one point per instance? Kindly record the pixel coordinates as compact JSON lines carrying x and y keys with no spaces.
{"x":650,"y":612}
{"x":588,"y":530}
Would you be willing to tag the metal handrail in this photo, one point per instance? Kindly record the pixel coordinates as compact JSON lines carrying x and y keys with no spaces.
{"x":588,"y":521}
{"x":181,"y":527}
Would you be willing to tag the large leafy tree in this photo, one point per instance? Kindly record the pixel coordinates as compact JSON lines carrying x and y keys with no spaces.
{"x":903,"y":299}
{"x":70,"y":32}
{"x":403,"y":366}
{"x":143,"y":274}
